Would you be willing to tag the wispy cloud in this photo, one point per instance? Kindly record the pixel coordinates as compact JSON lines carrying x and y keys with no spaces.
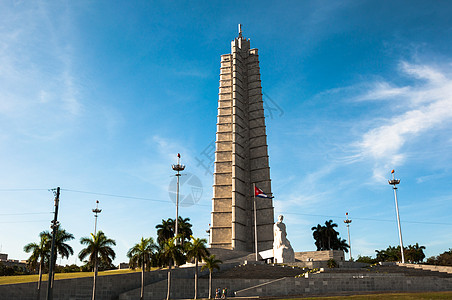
{"x":40,"y":92}
{"x":384,"y":91}
{"x":428,"y":107}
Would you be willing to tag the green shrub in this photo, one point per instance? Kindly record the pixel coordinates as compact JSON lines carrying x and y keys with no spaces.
{"x":331,"y":263}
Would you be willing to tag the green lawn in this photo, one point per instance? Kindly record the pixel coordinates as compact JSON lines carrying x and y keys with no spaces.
{"x":392,"y":296}
{"x":34,"y":278}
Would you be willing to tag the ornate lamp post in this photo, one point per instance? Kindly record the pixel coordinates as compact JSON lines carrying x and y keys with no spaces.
{"x":96,"y":211}
{"x":178,"y":168}
{"x":394,"y":182}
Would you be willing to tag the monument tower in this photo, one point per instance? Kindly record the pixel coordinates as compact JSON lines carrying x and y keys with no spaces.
{"x":241,"y":156}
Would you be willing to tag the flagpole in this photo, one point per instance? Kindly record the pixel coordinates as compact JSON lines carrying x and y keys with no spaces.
{"x":255,"y":220}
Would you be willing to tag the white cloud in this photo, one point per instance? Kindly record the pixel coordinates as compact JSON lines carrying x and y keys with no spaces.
{"x":40,"y":92}
{"x":429,"y":107}
{"x":383,"y":90}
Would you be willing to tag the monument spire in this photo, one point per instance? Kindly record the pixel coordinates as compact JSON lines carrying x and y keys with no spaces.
{"x":241,"y":156}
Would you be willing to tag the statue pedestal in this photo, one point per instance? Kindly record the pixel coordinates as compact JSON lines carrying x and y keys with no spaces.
{"x":284,"y":255}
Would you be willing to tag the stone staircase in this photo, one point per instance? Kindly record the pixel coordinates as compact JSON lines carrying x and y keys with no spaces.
{"x":442,"y":269}
{"x":259,"y":271}
{"x":380,"y":278}
{"x":262,"y":280}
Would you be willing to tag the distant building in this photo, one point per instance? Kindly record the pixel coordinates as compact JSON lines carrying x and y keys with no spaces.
{"x":123,"y":266}
{"x":3,"y":256}
{"x":12,"y":262}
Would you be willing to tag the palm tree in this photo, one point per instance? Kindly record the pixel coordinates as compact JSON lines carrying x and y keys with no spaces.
{"x":171,"y":253}
{"x":197,"y":249}
{"x":184,"y":229}
{"x":211,"y":264}
{"x":340,"y":244}
{"x":141,"y":254}
{"x":318,"y":236}
{"x":61,"y":237}
{"x":98,"y":248}
{"x":330,"y":232}
{"x":39,"y":252}
{"x":165,"y":231}
{"x":415,"y":253}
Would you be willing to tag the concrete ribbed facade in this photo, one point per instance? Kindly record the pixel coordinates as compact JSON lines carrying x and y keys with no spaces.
{"x":241,"y":156}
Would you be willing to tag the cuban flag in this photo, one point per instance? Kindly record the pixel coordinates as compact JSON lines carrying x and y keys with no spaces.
{"x":259,"y":193}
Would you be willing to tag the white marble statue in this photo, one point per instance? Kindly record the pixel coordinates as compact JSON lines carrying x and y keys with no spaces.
{"x":282,"y":250}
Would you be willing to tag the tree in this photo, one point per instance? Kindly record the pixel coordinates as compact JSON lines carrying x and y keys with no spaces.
{"x":171,"y":253}
{"x":330,"y":234}
{"x":390,"y":254}
{"x":184,"y":229}
{"x":340,"y":244}
{"x":366,"y":259}
{"x":141,"y":255}
{"x":61,"y":247}
{"x":444,"y":259}
{"x":197,"y":250}
{"x":318,"y":236}
{"x":327,"y":238}
{"x":39,"y":252}
{"x":165,"y":231}
{"x":211,"y":264}
{"x":415,"y":253}
{"x":98,"y":248}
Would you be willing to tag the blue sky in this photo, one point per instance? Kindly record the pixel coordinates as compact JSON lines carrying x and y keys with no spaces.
{"x":99,"y":97}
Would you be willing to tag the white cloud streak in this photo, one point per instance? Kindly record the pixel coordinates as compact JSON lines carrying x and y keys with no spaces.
{"x":427,"y":106}
{"x":40,"y":92}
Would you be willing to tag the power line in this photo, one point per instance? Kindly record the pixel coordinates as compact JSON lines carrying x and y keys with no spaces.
{"x":205,"y":205}
{"x":122,"y":196}
{"x":21,"y":190}
{"x":30,"y":213}
{"x":35,"y":221}
{"x":367,"y":219}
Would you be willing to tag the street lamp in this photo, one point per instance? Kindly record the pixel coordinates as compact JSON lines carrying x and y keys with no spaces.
{"x":394,"y":182}
{"x":96,"y":211}
{"x":178,"y":168}
{"x":347,"y":221}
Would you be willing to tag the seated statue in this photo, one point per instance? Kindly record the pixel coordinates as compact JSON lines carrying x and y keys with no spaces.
{"x":282,"y":250}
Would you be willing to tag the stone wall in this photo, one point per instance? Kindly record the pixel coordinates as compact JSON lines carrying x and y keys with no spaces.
{"x":337,"y":255}
{"x":324,"y":283}
{"x":108,"y":287}
{"x":184,"y":288}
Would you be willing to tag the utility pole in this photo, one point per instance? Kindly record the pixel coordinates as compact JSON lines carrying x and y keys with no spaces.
{"x":96,"y":211}
{"x":54,"y":228}
{"x":394,"y":182}
{"x":177,"y":168}
{"x":347,"y":221}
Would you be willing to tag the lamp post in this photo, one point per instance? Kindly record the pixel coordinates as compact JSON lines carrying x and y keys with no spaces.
{"x":347,"y":221}
{"x":394,"y":182}
{"x":178,"y":168}
{"x":96,"y":211}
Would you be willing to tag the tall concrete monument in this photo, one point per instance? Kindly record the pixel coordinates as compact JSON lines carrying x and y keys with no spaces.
{"x":241,"y":156}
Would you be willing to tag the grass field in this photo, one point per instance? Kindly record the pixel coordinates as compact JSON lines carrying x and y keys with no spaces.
{"x":392,"y":296}
{"x":34,"y":278}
